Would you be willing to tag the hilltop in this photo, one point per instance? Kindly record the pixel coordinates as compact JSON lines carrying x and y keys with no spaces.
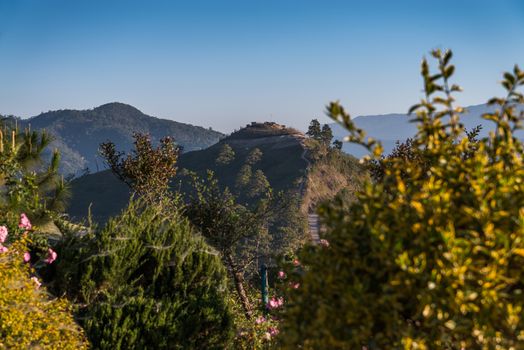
{"x":289,"y":162}
{"x":78,"y":133}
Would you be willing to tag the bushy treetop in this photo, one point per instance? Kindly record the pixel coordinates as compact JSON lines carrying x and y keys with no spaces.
{"x":429,"y":257}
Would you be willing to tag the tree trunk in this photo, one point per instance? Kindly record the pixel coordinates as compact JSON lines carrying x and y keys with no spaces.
{"x":238,"y":279}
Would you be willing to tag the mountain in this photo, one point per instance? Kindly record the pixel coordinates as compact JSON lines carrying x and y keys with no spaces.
{"x":78,"y":133}
{"x":390,"y":128}
{"x":287,"y":161}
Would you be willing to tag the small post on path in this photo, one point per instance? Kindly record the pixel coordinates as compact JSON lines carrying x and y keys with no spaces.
{"x":263,"y":287}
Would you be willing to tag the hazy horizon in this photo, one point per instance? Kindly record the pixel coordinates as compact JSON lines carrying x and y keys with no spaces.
{"x":225,"y":65}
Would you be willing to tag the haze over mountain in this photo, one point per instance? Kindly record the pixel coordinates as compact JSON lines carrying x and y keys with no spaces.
{"x":390,"y":128}
{"x":79,"y":133}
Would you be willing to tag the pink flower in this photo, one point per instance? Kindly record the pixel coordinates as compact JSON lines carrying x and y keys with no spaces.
{"x":273,"y":331}
{"x":36,"y":281}
{"x":281,"y":274}
{"x":275,"y":303}
{"x":51,"y":256}
{"x":3,"y":249}
{"x":24,"y":222}
{"x":295,"y":285}
{"x":27,"y":257}
{"x":3,"y":234}
{"x":260,"y":319}
{"x":324,"y":243}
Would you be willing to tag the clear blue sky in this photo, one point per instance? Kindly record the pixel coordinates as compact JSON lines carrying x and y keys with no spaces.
{"x":224,"y":63}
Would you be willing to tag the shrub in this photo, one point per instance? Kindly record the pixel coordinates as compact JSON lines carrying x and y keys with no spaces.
{"x":29,"y":318}
{"x":429,"y":257}
{"x":147,"y":281}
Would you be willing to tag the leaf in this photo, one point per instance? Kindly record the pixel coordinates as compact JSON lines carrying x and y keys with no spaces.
{"x":510,"y":78}
{"x":519,"y":251}
{"x":448,"y":72}
{"x":447,"y":57}
{"x":455,"y":87}
{"x":414,"y":108}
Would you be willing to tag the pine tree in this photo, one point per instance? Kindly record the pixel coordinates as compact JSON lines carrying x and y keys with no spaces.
{"x":243,"y":177}
{"x":326,"y":135}
{"x":226,"y":155}
{"x":337,"y":144}
{"x":258,"y":184}
{"x":314,"y":130}
{"x":254,"y":156}
{"x":27,"y":183}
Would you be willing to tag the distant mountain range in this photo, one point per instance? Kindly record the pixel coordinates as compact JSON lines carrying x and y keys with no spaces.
{"x":390,"y":128}
{"x":78,"y":133}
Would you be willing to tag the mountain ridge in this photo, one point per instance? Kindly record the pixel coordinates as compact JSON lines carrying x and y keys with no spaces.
{"x":78,"y":133}
{"x":287,"y":157}
{"x":281,"y":162}
{"x":393,"y":127}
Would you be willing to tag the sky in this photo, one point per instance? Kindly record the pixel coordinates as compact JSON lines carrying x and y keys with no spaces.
{"x":225,"y":63}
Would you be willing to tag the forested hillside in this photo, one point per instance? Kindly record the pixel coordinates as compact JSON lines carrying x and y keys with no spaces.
{"x":78,"y":133}
{"x":286,"y":160}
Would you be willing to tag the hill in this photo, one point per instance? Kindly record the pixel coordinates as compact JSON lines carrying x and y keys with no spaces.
{"x":390,"y":128}
{"x":288,"y":162}
{"x":79,"y":133}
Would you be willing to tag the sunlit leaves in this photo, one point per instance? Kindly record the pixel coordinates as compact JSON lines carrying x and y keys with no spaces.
{"x":432,"y":255}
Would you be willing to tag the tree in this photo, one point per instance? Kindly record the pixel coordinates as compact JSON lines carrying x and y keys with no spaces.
{"x":147,"y":170}
{"x":226,"y":155}
{"x":27,"y":183}
{"x":236,"y":231}
{"x":146,"y":281}
{"x":243,"y":177}
{"x":326,"y":135}
{"x":254,"y":156}
{"x":429,"y":257}
{"x":258,"y":184}
{"x":314,"y":130}
{"x":337,"y":144}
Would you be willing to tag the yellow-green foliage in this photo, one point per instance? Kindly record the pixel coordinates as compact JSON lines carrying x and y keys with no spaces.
{"x":432,"y":256}
{"x":29,"y":318}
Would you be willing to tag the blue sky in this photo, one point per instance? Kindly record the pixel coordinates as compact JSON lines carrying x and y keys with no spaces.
{"x":227,"y":63}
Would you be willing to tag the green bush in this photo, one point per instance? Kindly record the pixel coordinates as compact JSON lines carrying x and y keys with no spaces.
{"x":147,"y":281}
{"x":429,"y":257}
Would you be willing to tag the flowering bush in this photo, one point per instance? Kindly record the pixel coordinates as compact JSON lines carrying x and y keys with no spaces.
{"x":28,"y":317}
{"x":429,"y":257}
